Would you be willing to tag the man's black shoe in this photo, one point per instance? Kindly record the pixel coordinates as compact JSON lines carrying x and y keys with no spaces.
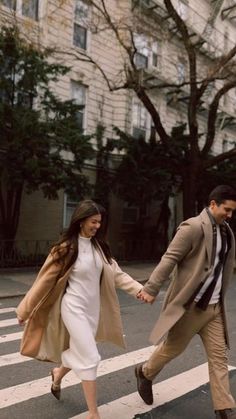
{"x":144,"y":385}
{"x":225,"y":414}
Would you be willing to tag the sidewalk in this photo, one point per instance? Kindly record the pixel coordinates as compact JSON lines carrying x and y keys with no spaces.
{"x":15,"y":283}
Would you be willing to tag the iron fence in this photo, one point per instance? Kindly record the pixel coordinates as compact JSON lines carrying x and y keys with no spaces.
{"x":23,"y":253}
{"x":32,"y":253}
{"x":136,"y":249}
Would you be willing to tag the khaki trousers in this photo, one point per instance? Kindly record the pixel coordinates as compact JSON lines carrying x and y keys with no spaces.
{"x":209,"y":325}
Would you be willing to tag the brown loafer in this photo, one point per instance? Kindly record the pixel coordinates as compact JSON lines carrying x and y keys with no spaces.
{"x":144,"y":385}
{"x":55,"y":388}
{"x":225,"y":414}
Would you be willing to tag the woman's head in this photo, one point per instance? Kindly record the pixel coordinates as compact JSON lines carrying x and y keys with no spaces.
{"x":87,"y":219}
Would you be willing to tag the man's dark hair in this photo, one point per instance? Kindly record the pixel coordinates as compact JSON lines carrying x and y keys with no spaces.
{"x":222,"y":193}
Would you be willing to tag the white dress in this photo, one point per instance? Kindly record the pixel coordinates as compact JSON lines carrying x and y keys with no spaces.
{"x":80,"y":310}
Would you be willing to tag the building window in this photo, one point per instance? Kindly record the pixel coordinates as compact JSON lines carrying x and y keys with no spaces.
{"x":139,"y":120}
{"x":225,"y":145}
{"x":155,"y":60}
{"x":142,"y":53}
{"x":80,"y":36}
{"x":30,"y":8}
{"x":130,"y":214}
{"x":141,"y":61}
{"x":11,"y":4}
{"x":209,"y":92}
{"x":78,"y":93}
{"x":69,"y":207}
{"x":181,"y":72}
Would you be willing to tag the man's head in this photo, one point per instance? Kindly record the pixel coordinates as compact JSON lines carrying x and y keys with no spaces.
{"x":222,"y":203}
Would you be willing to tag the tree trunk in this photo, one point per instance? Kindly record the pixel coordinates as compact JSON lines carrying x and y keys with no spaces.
{"x":190,"y":187}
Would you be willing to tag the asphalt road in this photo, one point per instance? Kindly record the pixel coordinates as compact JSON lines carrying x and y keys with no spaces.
{"x":24,"y":384}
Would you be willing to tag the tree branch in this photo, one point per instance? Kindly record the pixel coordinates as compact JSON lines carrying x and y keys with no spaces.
{"x":142,"y":95}
{"x":212,"y":116}
{"x":213,"y":74}
{"x":219,"y":158}
{"x":192,"y":106}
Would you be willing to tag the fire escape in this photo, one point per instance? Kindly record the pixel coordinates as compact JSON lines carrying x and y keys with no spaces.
{"x":176,"y":95}
{"x":229,"y":12}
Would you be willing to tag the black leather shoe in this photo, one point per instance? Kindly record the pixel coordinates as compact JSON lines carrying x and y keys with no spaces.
{"x":225,"y":414}
{"x":55,"y":388}
{"x":144,"y":386}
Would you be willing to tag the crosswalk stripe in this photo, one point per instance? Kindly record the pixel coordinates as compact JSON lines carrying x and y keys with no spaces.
{"x":125,"y":407}
{"x":10,"y":337}
{"x":36,"y":388}
{"x":8,"y":322}
{"x":7,"y":310}
{"x":163,"y":392}
{"x":13,"y":358}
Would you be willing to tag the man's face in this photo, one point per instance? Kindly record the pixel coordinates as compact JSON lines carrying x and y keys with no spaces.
{"x":222,"y":211}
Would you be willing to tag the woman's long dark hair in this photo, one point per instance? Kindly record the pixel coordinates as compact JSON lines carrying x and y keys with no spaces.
{"x":66,"y":248}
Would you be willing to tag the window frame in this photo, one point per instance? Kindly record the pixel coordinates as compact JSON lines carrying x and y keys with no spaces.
{"x":74,"y":97}
{"x":18,"y":5}
{"x":142,"y":50}
{"x":81,"y":23}
{"x":181,"y":71}
{"x":69,"y":204}
{"x":36,"y":16}
{"x":139,"y":114}
{"x":127,"y":214}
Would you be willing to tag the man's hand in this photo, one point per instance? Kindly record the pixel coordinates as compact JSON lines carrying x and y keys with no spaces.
{"x":144,"y":296}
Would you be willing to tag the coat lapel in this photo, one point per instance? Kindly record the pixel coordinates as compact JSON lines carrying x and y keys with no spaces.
{"x":207,"y":230}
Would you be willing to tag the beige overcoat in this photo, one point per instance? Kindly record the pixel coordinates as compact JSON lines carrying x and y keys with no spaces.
{"x":45,"y":336}
{"x":189,"y":255}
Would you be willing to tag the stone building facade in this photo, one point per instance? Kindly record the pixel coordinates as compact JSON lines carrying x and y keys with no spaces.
{"x":85,"y":43}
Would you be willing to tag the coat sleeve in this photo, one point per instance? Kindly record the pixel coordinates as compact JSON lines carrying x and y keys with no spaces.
{"x":124,"y":281}
{"x":44,"y":282}
{"x":179,"y":247}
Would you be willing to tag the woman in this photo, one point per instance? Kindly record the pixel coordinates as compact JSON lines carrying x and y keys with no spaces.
{"x":73,"y":303}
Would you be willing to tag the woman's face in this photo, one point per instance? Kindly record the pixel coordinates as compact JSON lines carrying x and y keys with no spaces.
{"x":89,"y":226}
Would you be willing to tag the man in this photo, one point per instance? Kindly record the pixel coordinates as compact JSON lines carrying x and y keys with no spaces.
{"x":202,"y":255}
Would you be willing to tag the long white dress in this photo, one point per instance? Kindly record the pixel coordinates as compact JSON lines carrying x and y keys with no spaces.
{"x":80,"y":309}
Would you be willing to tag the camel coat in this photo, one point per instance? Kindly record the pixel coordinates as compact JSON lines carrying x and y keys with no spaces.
{"x":189,"y":256}
{"x":45,"y":336}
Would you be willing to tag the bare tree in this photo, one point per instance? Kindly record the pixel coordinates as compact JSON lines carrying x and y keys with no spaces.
{"x":139,"y":16}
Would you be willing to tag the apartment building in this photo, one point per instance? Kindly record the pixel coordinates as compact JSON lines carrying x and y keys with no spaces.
{"x":91,"y":47}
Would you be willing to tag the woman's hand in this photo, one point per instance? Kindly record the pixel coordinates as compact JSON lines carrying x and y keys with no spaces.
{"x":144,"y":296}
{"x":20,"y":321}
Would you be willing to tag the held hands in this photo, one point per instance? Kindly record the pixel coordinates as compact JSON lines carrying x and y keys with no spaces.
{"x":145,"y":297}
{"x":20,"y":321}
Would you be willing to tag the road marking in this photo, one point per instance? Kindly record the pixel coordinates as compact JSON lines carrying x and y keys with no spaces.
{"x":8,"y":322}
{"x":7,"y":310}
{"x":163,"y":392}
{"x":11,"y":359}
{"x":17,"y":394}
{"x":10,"y":337}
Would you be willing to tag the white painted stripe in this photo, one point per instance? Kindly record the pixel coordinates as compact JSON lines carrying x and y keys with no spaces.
{"x":10,"y":337}
{"x":23,"y":392}
{"x":11,"y":359}
{"x":7,"y":310}
{"x":36,"y":388}
{"x":163,"y":392}
{"x":8,"y":322}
